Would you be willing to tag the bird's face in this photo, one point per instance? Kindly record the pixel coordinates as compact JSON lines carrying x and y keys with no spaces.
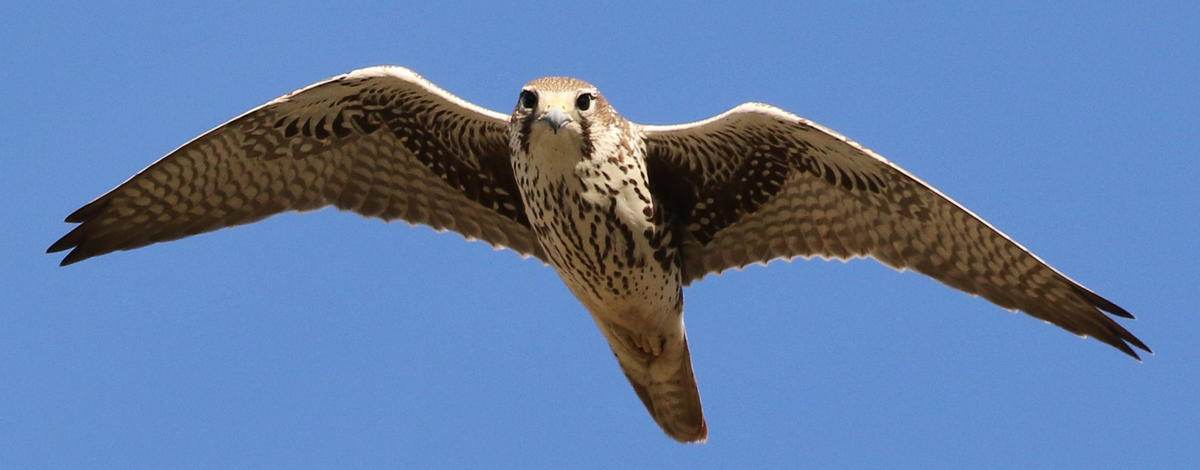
{"x":557,"y":107}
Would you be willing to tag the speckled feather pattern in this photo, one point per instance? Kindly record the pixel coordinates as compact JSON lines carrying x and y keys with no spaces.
{"x":627,"y":214}
{"x":758,"y":184}
{"x":381,"y":142}
{"x":587,"y":198}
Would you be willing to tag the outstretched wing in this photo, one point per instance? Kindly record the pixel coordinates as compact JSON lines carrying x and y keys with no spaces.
{"x":758,"y":183}
{"x":380,"y":141}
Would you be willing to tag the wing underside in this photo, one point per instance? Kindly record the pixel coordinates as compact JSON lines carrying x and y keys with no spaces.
{"x":382,"y":142}
{"x":757,"y":184}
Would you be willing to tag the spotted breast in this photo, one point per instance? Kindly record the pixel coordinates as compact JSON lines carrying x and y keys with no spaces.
{"x":581,"y":172}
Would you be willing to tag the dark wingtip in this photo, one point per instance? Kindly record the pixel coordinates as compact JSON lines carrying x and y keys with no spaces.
{"x":1131,"y":339}
{"x":86,"y":212}
{"x":1121,"y":338}
{"x":1111,"y":332}
{"x":76,"y":237}
{"x":71,"y":241}
{"x":62,"y":244}
{"x":73,"y":257}
{"x":1128,"y":350}
{"x":1102,"y":303}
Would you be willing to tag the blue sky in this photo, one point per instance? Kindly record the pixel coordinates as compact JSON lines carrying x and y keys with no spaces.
{"x":326,"y":340}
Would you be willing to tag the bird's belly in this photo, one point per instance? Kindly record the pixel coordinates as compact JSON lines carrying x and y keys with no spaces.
{"x":598,"y":228}
{"x":622,"y":272}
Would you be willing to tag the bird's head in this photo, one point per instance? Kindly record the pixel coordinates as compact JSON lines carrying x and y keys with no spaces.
{"x":560,"y":109}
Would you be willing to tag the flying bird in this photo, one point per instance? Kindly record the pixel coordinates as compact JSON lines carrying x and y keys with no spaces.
{"x":627,"y":214}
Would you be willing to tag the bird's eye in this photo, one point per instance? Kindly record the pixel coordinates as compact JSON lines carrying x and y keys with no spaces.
{"x":528,"y":99}
{"x":583,"y":102}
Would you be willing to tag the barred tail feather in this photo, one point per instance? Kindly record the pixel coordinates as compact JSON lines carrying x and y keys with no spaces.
{"x":666,"y":384}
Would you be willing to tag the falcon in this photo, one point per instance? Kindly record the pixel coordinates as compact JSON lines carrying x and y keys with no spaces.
{"x":627,"y":214}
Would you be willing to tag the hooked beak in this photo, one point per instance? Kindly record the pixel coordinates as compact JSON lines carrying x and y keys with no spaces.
{"x":556,"y":118}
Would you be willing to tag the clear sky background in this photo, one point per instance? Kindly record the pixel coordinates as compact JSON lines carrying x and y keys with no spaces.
{"x":325,"y":340}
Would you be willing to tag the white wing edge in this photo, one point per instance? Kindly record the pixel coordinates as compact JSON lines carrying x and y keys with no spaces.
{"x":787,"y":117}
{"x":405,"y":74}
{"x":394,"y":71}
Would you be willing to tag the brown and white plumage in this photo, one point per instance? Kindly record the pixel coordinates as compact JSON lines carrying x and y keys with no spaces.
{"x":627,"y":214}
{"x":581,"y":168}
{"x":758,"y":183}
{"x":381,"y":141}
